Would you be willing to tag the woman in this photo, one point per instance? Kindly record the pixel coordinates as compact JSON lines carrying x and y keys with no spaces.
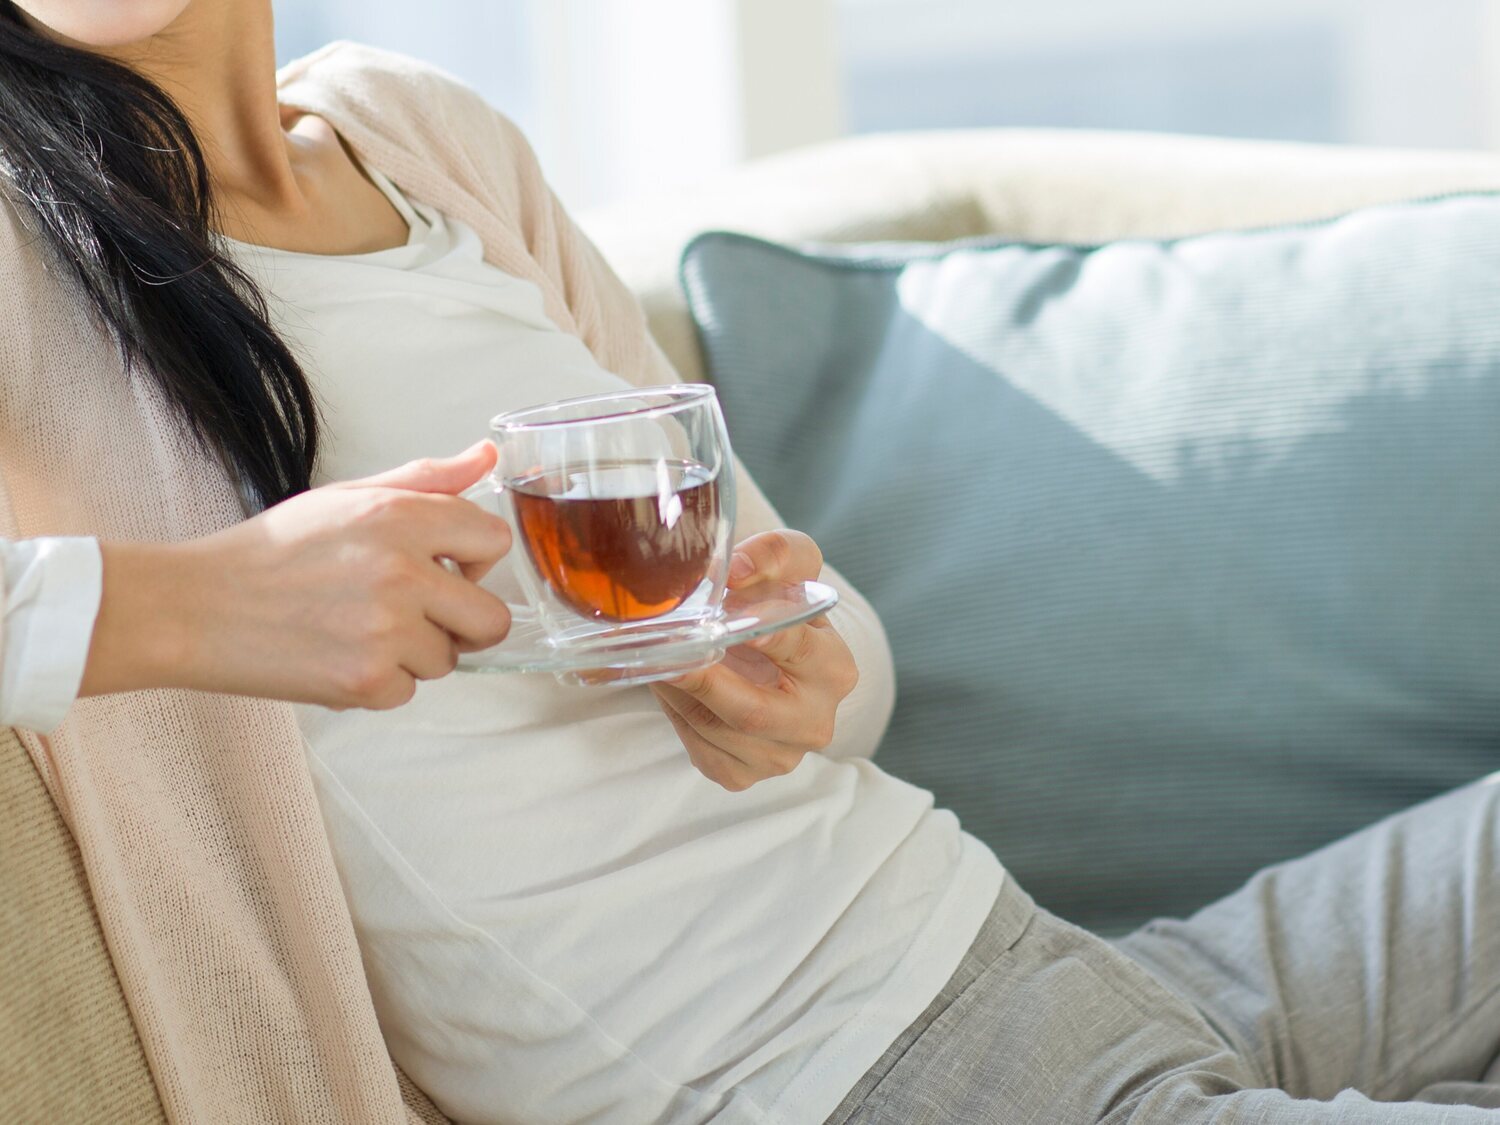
{"x":559,"y":918}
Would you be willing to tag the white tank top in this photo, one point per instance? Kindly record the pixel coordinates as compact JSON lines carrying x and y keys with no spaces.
{"x":561,"y":920}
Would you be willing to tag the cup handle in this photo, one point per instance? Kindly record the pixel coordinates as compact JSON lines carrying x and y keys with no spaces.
{"x":483,"y":494}
{"x":477,"y":493}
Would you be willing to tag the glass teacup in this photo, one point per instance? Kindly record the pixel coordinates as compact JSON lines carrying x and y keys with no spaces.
{"x":622,"y":506}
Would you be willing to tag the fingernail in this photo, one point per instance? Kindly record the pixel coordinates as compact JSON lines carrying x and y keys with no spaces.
{"x":740,"y":567}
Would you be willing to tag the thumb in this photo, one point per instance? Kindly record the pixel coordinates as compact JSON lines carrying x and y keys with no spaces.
{"x":450,"y":475}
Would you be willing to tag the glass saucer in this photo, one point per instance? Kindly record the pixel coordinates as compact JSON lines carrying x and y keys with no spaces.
{"x":629,"y":657}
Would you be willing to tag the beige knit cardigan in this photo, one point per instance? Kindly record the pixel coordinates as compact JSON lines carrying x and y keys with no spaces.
{"x":195,"y":813}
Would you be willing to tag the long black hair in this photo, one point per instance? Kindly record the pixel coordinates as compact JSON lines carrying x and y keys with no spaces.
{"x":108,"y":168}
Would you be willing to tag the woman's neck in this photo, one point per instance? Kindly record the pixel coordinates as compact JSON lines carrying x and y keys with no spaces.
{"x":218,"y":63}
{"x":278,"y":178}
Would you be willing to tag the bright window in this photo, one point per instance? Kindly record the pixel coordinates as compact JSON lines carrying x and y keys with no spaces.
{"x":630,"y":97}
{"x":1384,"y":72}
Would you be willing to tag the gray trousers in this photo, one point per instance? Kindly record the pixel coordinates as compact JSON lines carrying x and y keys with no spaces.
{"x":1359,"y":985}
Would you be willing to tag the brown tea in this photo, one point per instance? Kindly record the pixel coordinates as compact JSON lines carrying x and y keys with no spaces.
{"x":624,"y":541}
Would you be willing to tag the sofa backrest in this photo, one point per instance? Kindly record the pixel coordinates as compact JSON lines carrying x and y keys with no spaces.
{"x":1028,"y":184}
{"x":68,"y":1049}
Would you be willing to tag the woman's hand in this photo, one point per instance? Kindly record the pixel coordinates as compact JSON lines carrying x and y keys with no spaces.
{"x":771,"y":701}
{"x":337,"y":596}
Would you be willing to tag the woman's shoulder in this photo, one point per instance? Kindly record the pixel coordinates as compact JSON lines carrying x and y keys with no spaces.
{"x":385,"y":91}
{"x":406,"y":115}
{"x":358,"y":66}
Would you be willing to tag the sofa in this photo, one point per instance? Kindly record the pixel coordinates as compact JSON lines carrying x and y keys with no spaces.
{"x":68,"y":1050}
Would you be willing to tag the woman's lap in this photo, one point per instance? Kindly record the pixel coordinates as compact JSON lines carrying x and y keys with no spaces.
{"x":1326,"y":990}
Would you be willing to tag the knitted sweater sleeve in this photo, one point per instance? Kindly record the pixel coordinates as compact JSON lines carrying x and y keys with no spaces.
{"x":50,"y":586}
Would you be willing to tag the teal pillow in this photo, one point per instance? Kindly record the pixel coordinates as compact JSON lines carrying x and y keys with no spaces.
{"x":1189,"y":551}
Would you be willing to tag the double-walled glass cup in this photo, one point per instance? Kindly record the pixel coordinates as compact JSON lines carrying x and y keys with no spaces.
{"x":622,"y":506}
